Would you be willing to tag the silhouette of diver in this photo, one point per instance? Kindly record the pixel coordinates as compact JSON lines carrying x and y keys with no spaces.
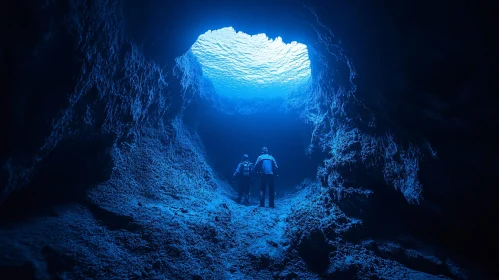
{"x":266,"y":166}
{"x":244,"y":174}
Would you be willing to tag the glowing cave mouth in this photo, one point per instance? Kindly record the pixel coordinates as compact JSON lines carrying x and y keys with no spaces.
{"x":251,"y":66}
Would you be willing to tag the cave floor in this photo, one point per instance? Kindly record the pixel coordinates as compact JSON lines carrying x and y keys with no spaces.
{"x":188,"y":236}
{"x":159,"y":217}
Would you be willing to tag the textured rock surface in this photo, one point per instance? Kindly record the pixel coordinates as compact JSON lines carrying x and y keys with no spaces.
{"x":101,"y":178}
{"x":148,"y":222}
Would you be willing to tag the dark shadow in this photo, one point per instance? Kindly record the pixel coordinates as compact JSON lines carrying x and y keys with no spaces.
{"x":64,"y":176}
{"x":111,"y":220}
{"x":315,"y":251}
{"x":15,"y":272}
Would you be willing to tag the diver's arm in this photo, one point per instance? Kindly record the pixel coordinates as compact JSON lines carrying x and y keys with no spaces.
{"x":255,"y":167}
{"x":257,"y":161}
{"x":238,"y":168}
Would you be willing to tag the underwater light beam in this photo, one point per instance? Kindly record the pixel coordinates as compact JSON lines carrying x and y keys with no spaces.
{"x":251,"y":66}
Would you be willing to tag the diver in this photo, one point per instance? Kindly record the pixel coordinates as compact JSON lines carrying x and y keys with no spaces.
{"x":266,"y":166}
{"x":244,"y":173}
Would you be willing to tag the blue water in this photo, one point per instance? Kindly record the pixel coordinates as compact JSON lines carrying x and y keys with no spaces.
{"x":246,"y":66}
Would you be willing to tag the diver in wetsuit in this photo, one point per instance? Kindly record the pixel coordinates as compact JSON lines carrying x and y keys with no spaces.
{"x":266,"y":166}
{"x":244,"y":173}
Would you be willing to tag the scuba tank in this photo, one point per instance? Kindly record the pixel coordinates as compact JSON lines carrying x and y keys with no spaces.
{"x":246,"y":169}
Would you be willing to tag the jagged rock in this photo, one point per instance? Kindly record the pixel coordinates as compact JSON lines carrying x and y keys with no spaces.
{"x":352,"y":201}
{"x":105,"y":179}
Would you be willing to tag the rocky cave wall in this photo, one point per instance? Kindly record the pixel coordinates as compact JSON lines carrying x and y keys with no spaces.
{"x":123,"y":100}
{"x":96,"y":101}
{"x":426,"y":84}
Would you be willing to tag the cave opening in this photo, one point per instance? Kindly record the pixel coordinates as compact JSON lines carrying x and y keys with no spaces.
{"x":249,"y":84}
{"x":127,"y":181}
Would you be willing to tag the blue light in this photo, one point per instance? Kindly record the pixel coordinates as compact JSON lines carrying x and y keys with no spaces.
{"x":251,"y":66}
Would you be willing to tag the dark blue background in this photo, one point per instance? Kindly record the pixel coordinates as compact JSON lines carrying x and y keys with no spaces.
{"x":228,"y":137}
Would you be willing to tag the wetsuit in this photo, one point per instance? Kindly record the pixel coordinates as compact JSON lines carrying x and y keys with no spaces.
{"x":244,"y":172}
{"x":267,"y":167}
